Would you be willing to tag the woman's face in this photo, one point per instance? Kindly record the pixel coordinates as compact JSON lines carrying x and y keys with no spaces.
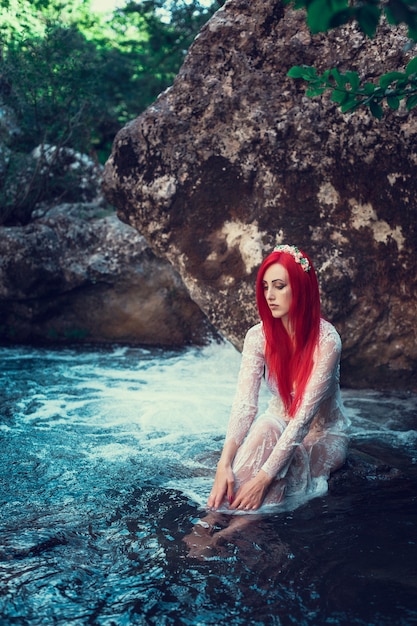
{"x":277,"y":290}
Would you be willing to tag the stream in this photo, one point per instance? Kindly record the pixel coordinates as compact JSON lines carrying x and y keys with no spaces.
{"x":107,"y":458}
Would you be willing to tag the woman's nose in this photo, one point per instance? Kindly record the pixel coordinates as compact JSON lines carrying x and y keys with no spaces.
{"x":270,"y":294}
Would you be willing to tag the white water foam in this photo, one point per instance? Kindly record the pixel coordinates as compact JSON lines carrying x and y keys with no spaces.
{"x":166,"y":409}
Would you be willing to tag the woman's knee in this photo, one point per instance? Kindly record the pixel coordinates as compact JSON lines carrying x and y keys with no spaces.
{"x":266,"y":431}
{"x":327,"y":455}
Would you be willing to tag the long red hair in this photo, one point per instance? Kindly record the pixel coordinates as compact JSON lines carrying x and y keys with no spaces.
{"x":290,"y":359}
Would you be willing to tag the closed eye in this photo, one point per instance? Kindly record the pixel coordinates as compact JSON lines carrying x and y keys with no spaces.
{"x":274,"y":284}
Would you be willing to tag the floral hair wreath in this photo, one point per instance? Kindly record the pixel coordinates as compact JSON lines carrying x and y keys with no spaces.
{"x":296,"y":254}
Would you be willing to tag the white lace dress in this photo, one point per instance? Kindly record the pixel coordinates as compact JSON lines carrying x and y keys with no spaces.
{"x":293,"y":450}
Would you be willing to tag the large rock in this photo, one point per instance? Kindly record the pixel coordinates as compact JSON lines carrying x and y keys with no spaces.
{"x":75,"y":274}
{"x":234,"y":158}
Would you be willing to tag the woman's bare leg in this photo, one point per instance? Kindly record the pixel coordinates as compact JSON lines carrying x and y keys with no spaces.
{"x":210,"y":532}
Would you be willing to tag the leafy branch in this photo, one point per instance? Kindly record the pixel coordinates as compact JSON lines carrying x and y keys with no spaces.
{"x":347,"y":89}
{"x":348,"y":92}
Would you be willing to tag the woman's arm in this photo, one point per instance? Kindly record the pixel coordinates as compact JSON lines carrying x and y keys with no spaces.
{"x":243,"y":412}
{"x":224,"y":481}
{"x":245,"y":404}
{"x":324,"y":377}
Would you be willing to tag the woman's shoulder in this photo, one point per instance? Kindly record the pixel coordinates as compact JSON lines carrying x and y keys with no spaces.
{"x":255,"y":337}
{"x":255,"y":331}
{"x":329,"y":333}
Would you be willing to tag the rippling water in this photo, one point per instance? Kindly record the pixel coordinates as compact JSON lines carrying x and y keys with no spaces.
{"x":107,"y":460}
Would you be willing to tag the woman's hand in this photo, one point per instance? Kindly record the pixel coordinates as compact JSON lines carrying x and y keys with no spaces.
{"x":224,"y":483}
{"x":250,"y":496}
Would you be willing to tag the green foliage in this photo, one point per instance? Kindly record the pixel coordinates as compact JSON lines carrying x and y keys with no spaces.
{"x":323,"y":15}
{"x":76,"y":79}
{"x":347,"y":89}
{"x":53,"y":83}
{"x":73,"y":79}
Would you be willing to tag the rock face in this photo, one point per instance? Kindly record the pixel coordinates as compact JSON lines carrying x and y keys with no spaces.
{"x":234,"y":158}
{"x":73,"y":275}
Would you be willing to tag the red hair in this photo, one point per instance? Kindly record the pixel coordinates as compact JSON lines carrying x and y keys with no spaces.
{"x":290,"y":359}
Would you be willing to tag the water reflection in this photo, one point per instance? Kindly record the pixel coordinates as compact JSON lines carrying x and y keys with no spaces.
{"x":107,"y":458}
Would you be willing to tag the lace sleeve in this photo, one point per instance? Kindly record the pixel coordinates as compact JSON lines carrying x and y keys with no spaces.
{"x":245,"y":405}
{"x":324,"y":378}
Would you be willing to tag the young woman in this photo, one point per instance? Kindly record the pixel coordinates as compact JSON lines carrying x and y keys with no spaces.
{"x":302,"y":435}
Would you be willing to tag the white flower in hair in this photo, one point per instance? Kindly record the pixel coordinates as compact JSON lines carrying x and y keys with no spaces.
{"x":296,"y":254}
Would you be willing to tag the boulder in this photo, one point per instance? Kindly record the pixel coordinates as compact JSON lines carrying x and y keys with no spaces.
{"x":234,"y":158}
{"x":363,"y":468}
{"x":76,"y":273}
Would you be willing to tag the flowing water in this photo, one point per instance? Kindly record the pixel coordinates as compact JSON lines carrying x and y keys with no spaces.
{"x":107,"y":460}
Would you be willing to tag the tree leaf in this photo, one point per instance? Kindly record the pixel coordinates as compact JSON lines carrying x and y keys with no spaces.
{"x":386,"y":79}
{"x":353,"y":79}
{"x":321,"y":12}
{"x":412,"y":32}
{"x":397,"y":11}
{"x":393,"y":102}
{"x":368,"y":19}
{"x":402,"y":83}
{"x":341,"y":17}
{"x":350,"y":104}
{"x":411,"y":67}
{"x":376,"y":109}
{"x":302,"y":71}
{"x":318,"y":16}
{"x":295,"y":71}
{"x":339,"y":78}
{"x":411,"y":102}
{"x":339,"y":96}
{"x":369,"y":88}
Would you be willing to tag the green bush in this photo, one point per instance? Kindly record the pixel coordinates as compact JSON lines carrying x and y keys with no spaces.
{"x":74,"y":79}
